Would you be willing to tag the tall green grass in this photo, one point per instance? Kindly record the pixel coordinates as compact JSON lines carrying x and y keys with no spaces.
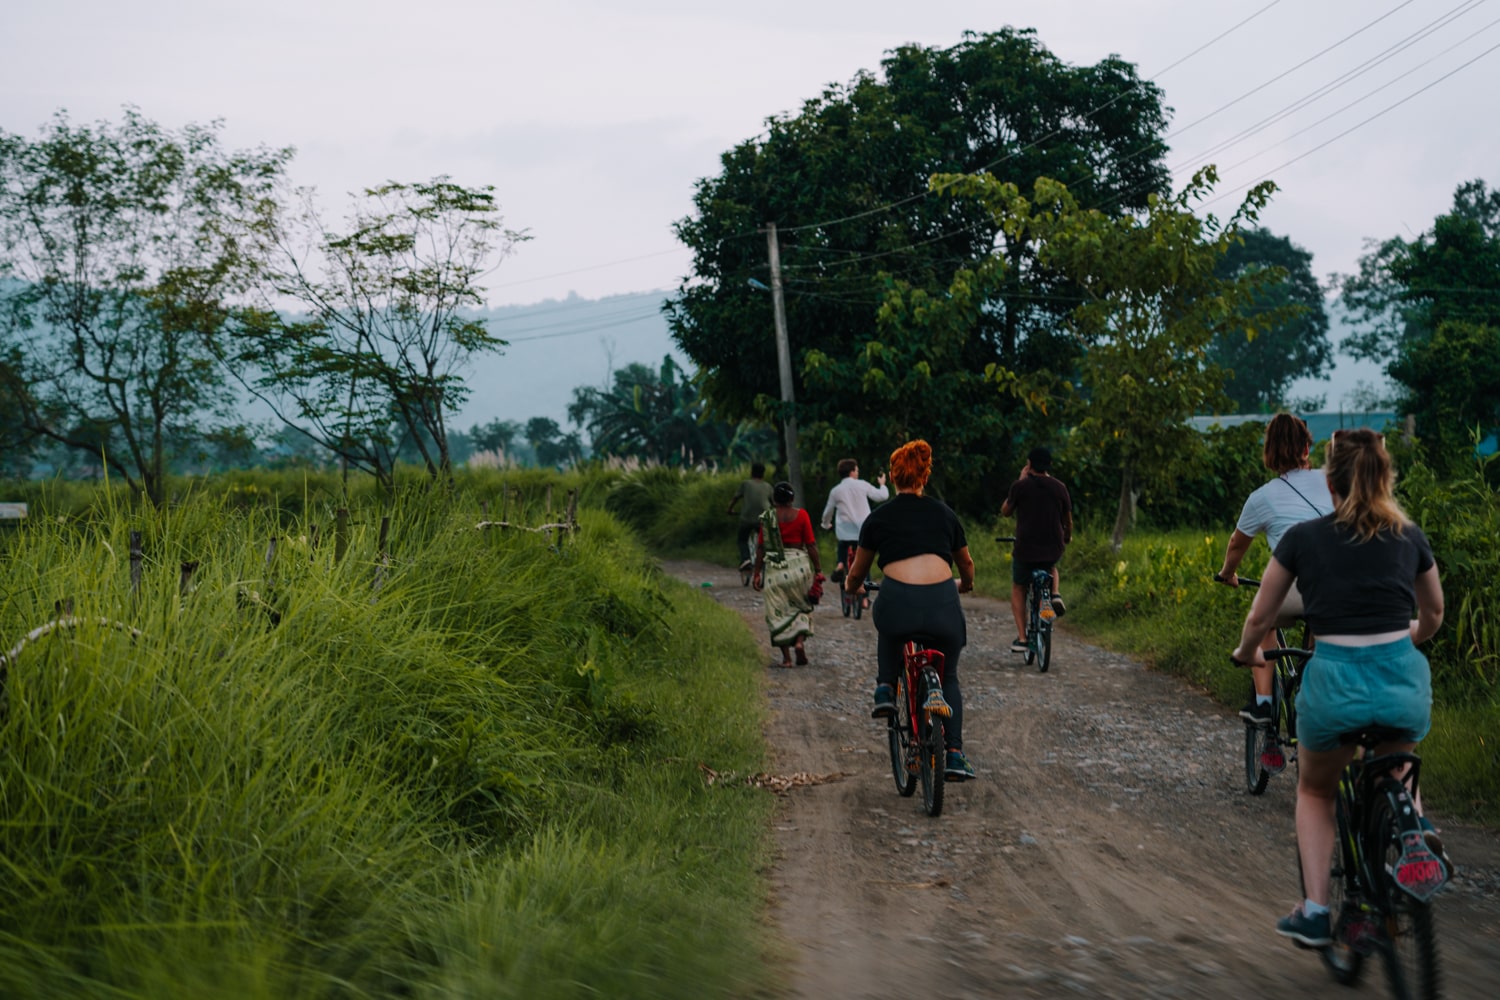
{"x":480,"y":778}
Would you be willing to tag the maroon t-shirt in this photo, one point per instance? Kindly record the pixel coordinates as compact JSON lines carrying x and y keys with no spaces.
{"x":1039,"y":503}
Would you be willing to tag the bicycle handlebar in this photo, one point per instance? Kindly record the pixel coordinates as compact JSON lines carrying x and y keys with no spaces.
{"x":1245,"y":581}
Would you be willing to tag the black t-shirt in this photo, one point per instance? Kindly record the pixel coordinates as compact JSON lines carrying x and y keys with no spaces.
{"x":1350,"y":587}
{"x":1039,"y":503}
{"x":912,"y":525}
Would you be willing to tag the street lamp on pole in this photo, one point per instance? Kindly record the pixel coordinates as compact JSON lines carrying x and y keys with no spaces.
{"x":783,"y":362}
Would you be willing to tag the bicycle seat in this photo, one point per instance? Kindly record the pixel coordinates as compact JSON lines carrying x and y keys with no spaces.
{"x":1371,"y":736}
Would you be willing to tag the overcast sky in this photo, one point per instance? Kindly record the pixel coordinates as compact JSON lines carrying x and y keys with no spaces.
{"x":593,"y":120}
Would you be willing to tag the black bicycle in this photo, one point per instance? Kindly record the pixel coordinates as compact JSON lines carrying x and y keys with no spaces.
{"x":852,"y":603}
{"x":1039,"y":617}
{"x":1270,"y":748}
{"x":1384,"y":873}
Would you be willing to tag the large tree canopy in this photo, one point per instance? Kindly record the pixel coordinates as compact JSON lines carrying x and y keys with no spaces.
{"x":1262,"y":367}
{"x":123,"y":246}
{"x":846,"y":181}
{"x":1152,"y":303}
{"x":1430,"y":308}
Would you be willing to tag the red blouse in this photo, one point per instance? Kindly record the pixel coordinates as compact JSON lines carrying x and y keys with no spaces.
{"x":796,"y":533}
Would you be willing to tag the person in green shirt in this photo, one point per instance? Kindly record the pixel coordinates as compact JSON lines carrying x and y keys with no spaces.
{"x":753,"y":498}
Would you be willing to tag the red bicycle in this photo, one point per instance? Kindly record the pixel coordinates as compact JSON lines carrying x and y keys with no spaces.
{"x":917,"y":732}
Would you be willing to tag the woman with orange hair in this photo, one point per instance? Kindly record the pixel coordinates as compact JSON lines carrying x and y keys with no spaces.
{"x":917,"y":540}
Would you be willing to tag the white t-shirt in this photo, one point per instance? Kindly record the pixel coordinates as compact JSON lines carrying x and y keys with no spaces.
{"x":851,"y":500}
{"x":1289,"y":499}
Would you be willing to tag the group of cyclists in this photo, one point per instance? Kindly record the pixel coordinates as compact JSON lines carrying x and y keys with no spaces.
{"x":1345,"y":558}
{"x":917,"y":541}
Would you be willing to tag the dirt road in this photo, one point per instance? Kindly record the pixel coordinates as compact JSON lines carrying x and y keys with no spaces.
{"x":1107,"y":849}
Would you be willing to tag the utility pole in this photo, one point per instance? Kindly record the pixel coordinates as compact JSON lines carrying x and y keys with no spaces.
{"x":784,"y":363}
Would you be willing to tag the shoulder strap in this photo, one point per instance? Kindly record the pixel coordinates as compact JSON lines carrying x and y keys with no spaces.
{"x":1294,"y":489}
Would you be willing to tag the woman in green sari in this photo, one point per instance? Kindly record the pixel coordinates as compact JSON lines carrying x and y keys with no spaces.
{"x":788,"y":573}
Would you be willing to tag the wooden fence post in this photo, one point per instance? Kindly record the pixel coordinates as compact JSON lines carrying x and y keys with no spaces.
{"x":340,"y":534}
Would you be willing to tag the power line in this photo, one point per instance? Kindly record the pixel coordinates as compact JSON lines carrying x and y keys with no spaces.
{"x":1348,"y":77}
{"x":1388,"y":108}
{"x":1361,"y":99}
{"x":1287,"y":72}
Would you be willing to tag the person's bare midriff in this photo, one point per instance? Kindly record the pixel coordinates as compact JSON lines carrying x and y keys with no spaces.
{"x":919,"y":570}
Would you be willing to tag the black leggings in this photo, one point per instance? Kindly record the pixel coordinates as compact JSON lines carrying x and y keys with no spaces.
{"x":932,"y":610}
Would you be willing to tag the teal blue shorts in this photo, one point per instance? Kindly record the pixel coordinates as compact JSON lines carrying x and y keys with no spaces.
{"x":1347,"y":688}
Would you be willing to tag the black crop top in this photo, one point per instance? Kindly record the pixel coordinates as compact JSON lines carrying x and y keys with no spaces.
{"x":911,"y":525}
{"x":1350,"y":587}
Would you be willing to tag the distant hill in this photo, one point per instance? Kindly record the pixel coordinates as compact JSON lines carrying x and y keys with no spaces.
{"x":558,"y":345}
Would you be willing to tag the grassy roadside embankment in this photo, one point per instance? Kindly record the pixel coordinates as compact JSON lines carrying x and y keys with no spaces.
{"x":479,"y":779}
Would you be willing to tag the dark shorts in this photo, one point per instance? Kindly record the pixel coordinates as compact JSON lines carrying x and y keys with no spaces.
{"x":1346,"y":688}
{"x":1020,"y":572}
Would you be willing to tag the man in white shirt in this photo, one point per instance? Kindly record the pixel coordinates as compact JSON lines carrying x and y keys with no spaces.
{"x":848,"y":506}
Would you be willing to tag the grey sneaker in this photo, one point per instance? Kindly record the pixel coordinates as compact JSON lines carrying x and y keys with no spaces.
{"x":1019,"y":646}
{"x":885,"y":702}
{"x":1308,"y":932}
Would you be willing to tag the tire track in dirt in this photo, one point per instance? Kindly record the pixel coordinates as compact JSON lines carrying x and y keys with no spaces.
{"x":1107,"y":849}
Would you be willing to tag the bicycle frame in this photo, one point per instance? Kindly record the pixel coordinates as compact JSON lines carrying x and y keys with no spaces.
{"x":917,"y":730}
{"x":1038,"y":626}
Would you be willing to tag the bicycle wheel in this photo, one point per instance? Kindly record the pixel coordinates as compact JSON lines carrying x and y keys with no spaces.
{"x":1352,"y":928}
{"x":1411,"y":959}
{"x":1257,"y":742}
{"x":931,"y":760}
{"x":899,"y":734}
{"x":859,"y":606}
{"x":1044,"y":649}
{"x":849,"y":601}
{"x":1033,"y":623}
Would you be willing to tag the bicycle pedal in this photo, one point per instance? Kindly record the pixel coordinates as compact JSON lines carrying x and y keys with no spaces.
{"x":936,"y":705}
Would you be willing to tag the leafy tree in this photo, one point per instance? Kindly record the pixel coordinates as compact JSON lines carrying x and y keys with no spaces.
{"x":846,"y":180}
{"x":550,"y":445}
{"x":1419,"y":300}
{"x":497,"y":435}
{"x":374,"y":363}
{"x":1262,"y":367}
{"x":1452,"y":383}
{"x":1153,"y":306}
{"x":655,"y":417}
{"x":17,"y":437}
{"x":124,"y":243}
